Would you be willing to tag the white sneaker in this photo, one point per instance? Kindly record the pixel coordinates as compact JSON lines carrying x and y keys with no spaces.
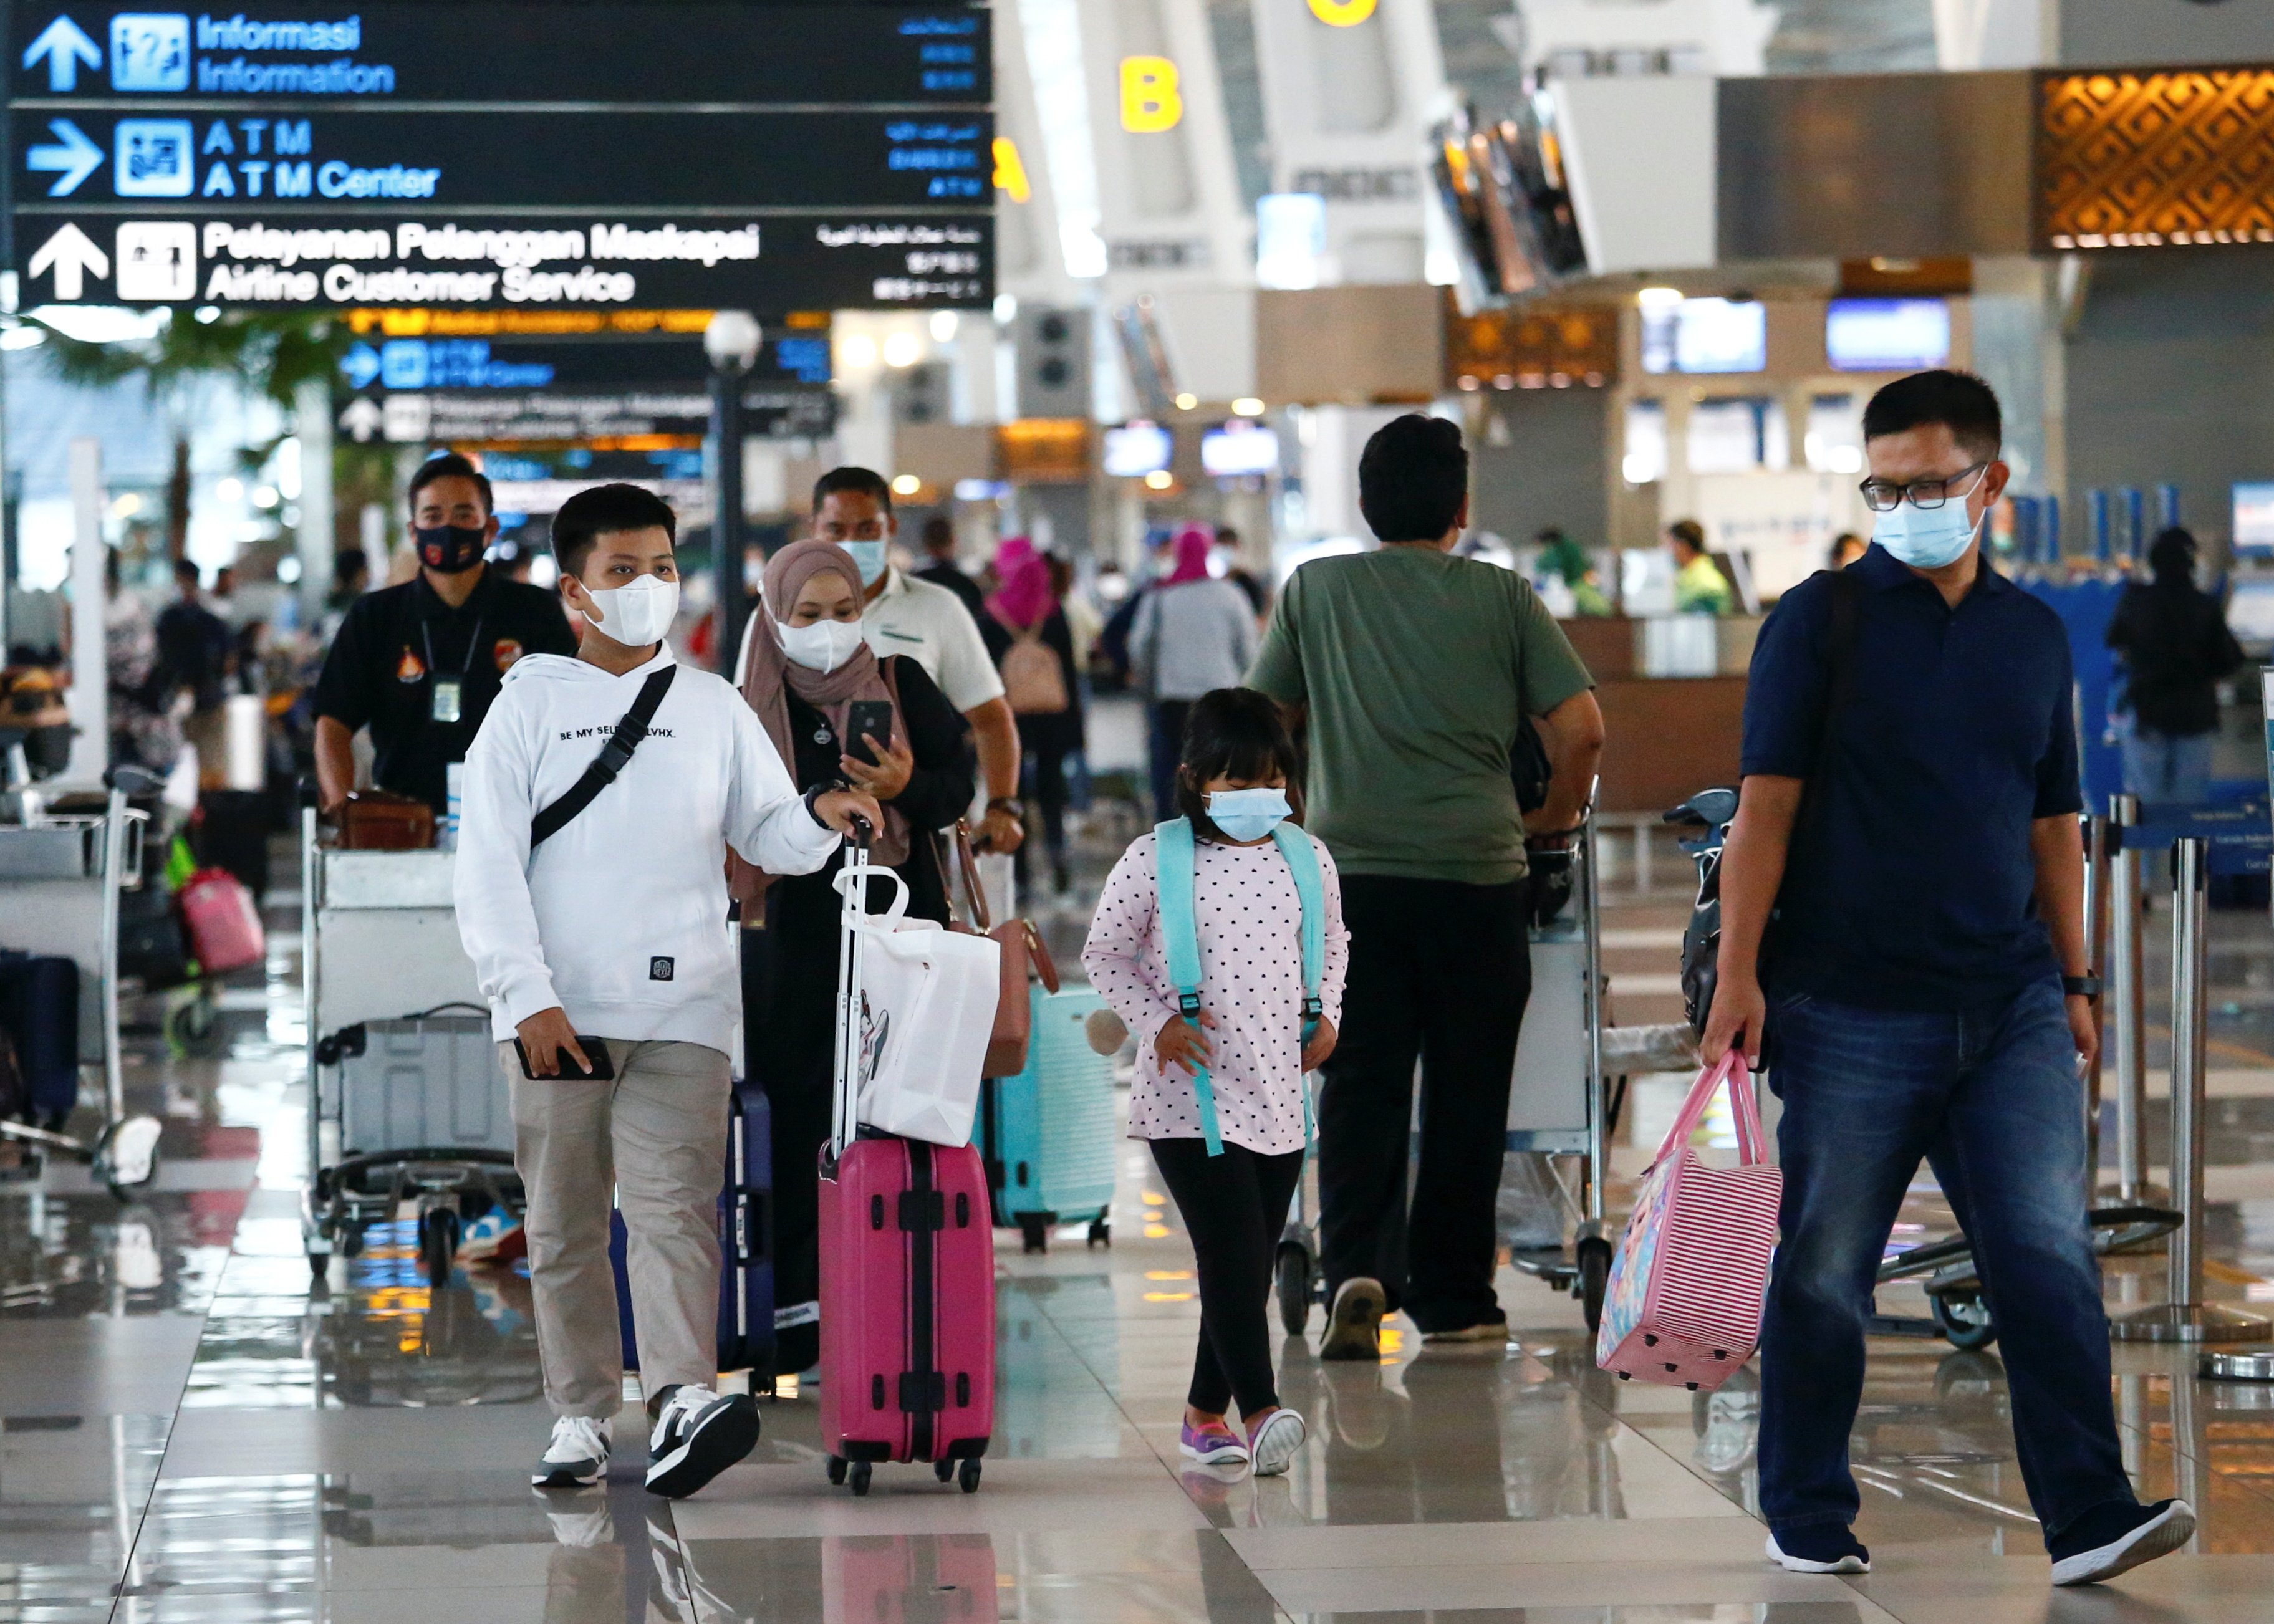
{"x":1272,"y":1445}
{"x":698,"y":1435}
{"x":577,"y":1458}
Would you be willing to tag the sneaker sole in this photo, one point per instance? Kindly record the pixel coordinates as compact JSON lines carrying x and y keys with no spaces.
{"x":2144,"y":1544}
{"x":719,"y":1441}
{"x":1496,"y":1333}
{"x":1354,"y":1326}
{"x":582,"y":1475}
{"x":1230,"y":1454}
{"x":1272,"y":1457}
{"x":1802,"y":1565}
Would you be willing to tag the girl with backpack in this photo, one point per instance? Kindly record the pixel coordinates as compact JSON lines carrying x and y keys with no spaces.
{"x":1027,"y":632}
{"x":1219,"y":941}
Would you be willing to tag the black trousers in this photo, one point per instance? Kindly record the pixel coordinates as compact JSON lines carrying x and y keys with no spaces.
{"x":1234,"y":1207}
{"x":1440,"y":972}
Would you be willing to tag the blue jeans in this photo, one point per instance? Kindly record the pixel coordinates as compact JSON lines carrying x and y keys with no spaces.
{"x":1991,"y":1101}
{"x":2166,"y":768}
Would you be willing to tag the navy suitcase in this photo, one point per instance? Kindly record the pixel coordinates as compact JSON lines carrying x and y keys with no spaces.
{"x":746,"y":1273}
{"x":39,"y":1009}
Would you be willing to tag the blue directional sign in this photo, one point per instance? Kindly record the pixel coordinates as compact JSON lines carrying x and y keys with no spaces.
{"x":63,"y":45}
{"x":71,"y":158}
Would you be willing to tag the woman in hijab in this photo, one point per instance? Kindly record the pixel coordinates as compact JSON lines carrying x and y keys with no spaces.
{"x":808,"y":667}
{"x":1027,"y":632}
{"x":1193,"y":634}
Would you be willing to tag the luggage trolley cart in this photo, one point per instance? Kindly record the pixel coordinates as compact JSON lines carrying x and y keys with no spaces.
{"x":61,"y":876}
{"x":406,"y":1106}
{"x":1558,"y":1106}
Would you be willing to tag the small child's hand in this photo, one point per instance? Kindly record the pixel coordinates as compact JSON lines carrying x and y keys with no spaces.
{"x":1180,"y":1043}
{"x":1320,"y":1045}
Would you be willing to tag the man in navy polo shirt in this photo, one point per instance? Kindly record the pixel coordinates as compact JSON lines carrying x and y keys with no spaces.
{"x":1907,"y":841}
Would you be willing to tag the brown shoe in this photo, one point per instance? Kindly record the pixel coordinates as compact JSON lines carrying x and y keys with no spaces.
{"x":1354,"y":1320}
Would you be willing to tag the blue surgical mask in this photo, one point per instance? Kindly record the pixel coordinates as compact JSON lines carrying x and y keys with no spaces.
{"x":1248,"y":813}
{"x":1925,"y":537}
{"x":869,"y":558}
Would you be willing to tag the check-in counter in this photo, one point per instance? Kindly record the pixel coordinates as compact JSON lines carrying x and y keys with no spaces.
{"x":1672,"y":690}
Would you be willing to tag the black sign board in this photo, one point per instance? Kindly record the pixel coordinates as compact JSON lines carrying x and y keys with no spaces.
{"x":745,"y":55}
{"x":630,"y":417}
{"x":771,"y":157}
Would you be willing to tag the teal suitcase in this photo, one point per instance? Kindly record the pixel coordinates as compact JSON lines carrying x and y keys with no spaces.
{"x":1048,"y":1132}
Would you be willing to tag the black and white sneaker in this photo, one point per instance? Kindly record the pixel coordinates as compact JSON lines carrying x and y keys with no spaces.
{"x":1819,"y":1548}
{"x":577,"y":1458}
{"x":698,"y":1435}
{"x":2113,"y":1538}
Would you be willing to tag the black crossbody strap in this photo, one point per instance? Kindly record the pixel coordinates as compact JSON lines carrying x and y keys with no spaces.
{"x":613,"y":755}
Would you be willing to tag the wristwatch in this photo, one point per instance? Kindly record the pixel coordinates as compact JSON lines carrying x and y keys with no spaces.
{"x":2081,"y":986}
{"x":1009,"y":804}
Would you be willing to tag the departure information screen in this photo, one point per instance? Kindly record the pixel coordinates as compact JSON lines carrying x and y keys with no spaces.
{"x":538,"y":155}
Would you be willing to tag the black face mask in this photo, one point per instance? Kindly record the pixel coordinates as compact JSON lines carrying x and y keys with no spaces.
{"x":451,"y":548}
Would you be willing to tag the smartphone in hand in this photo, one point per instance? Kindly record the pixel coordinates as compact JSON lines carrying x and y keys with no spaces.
{"x":867,"y":718}
{"x":596,"y":1050}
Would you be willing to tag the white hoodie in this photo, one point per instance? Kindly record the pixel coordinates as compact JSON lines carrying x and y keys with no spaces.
{"x":621,"y":917}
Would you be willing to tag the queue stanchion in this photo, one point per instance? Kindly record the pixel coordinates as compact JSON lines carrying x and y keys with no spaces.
{"x":2186,"y":1317}
{"x":2127,"y":1032}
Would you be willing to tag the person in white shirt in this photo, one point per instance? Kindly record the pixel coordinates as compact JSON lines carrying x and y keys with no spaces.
{"x":612,"y":925}
{"x":853,"y":507}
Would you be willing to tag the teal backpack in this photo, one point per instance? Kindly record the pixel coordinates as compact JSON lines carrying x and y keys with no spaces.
{"x":1174,"y":862}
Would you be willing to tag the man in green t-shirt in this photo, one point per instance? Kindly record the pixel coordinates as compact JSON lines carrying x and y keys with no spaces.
{"x":1415,"y":669}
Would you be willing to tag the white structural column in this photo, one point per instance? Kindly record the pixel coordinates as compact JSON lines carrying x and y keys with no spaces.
{"x":1351,"y":88}
{"x":90,"y":693}
{"x":311,"y":412}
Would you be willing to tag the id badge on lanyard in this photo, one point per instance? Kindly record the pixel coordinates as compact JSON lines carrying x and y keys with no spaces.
{"x":447,"y":697}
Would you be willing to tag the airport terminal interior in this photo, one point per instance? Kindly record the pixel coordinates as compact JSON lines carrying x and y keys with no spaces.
{"x":1052,"y":315}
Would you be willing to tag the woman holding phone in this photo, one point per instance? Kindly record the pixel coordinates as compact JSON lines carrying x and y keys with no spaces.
{"x":840,"y":716}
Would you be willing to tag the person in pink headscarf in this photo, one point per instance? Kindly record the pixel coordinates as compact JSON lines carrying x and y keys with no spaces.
{"x":1194,"y":633}
{"x":1027,"y":632}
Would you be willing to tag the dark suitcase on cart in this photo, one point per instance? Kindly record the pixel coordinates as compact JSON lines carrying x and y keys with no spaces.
{"x":746,"y":1247}
{"x":39,"y":1010}
{"x":232,"y":833}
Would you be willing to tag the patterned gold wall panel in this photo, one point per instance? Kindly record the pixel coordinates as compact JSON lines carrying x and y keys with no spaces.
{"x":2153,"y":158}
{"x":1532,"y":346}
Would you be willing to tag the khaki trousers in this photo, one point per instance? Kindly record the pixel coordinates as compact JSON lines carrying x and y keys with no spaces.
{"x":656,"y":1139}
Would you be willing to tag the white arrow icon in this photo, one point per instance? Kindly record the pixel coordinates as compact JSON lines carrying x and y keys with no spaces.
{"x":362,"y":419}
{"x":69,"y":254}
{"x":65,"y":45}
{"x":72,"y":162}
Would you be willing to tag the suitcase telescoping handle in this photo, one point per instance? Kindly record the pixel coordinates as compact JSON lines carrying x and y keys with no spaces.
{"x":852,"y":886}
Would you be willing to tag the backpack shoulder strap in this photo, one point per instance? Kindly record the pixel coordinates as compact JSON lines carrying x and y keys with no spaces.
{"x":1173,"y":861}
{"x":1842,"y":632}
{"x":552,"y":820}
{"x":1310,"y":889}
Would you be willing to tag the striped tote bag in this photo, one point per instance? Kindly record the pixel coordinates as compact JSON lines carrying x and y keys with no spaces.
{"x":1684,"y":1306}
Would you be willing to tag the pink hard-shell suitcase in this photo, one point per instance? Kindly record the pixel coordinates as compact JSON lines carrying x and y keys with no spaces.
{"x":223,"y":924}
{"x":1682,"y":1307}
{"x":908,"y":1278}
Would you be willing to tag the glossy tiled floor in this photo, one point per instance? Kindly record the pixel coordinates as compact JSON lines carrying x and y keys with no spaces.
{"x":189,"y":1431}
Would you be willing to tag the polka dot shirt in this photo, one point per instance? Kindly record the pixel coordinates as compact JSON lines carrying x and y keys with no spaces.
{"x":1250,"y":923}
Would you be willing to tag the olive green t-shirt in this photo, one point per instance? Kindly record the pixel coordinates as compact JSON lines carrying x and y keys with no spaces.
{"x":1416,"y":667}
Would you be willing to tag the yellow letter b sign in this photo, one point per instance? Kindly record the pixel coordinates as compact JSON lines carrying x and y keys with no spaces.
{"x":1150,"y":101}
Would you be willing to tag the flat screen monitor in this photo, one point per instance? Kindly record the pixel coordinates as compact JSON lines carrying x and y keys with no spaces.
{"x":1705,"y":335}
{"x":1887,"y":335}
{"x":1135,"y":449}
{"x":2254,"y":517}
{"x":1239,"y":449}
{"x":2250,"y":611}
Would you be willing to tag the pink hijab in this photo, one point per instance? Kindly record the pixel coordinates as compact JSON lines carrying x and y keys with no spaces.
{"x":773,"y":676}
{"x":1194,"y":545}
{"x":1024,"y":595}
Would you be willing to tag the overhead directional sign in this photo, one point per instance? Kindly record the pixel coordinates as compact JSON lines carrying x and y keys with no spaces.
{"x":768,"y":157}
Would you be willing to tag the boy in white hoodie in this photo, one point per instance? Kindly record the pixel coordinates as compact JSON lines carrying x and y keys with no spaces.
{"x":613,"y":925}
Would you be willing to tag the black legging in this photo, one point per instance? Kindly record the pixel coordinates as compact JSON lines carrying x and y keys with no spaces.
{"x":1046,"y":786}
{"x":1234,"y":1207}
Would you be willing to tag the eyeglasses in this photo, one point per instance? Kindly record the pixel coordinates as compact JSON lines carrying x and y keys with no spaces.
{"x":1885,"y":495}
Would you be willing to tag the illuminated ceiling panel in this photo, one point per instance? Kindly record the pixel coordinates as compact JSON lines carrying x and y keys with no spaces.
{"x":2155,"y":159}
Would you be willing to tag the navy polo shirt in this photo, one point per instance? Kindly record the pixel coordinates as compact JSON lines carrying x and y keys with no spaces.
{"x":1910,"y":884}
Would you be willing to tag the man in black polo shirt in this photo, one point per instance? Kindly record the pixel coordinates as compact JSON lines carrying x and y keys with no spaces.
{"x":418,"y":663}
{"x":1918,"y":854}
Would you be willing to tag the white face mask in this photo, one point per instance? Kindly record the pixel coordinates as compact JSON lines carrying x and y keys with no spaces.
{"x":823,"y":646}
{"x":637,"y":614}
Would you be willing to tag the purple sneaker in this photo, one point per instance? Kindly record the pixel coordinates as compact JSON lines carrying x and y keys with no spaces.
{"x":1211,"y":1446}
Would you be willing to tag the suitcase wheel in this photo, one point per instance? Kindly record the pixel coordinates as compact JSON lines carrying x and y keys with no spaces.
{"x":859,"y":1474}
{"x":1101,"y":1233}
{"x":943,"y":1470}
{"x":966,"y":1477}
{"x":438,"y":1243}
{"x":837,"y":1471}
{"x":1034,"y":1232}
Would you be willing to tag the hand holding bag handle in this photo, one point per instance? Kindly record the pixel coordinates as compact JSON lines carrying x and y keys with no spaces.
{"x":1744,"y":1107}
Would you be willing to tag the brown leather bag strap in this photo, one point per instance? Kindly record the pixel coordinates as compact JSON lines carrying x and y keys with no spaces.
{"x":974,"y":894}
{"x":1045,"y":967}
